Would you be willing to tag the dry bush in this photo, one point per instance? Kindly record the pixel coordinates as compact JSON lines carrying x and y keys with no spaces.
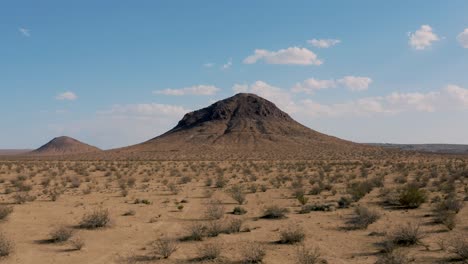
{"x":6,"y":246}
{"x":238,"y":210}
{"x":5,"y":211}
{"x":95,"y":219}
{"x":164,"y":247}
{"x":77,"y":243}
{"x":234,"y":225}
{"x":60,"y":234}
{"x":209,"y":251}
{"x":406,"y":235}
{"x":252,"y":252}
{"x":237,"y":193}
{"x":459,"y":247}
{"x":275,"y":212}
{"x":214,"y":228}
{"x":393,"y":257}
{"x":363,"y":217}
{"x":214,"y":210}
{"x":306,"y":255}
{"x":196,"y":232}
{"x":292,"y":234}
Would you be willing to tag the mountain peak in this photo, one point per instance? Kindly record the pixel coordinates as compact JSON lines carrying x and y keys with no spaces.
{"x":64,"y":145}
{"x":242,"y":106}
{"x":242,"y":126}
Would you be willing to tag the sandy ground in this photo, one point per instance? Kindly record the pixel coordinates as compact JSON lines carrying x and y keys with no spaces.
{"x":130,"y":236}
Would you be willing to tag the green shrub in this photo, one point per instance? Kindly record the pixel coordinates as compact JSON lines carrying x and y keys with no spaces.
{"x":412,"y":196}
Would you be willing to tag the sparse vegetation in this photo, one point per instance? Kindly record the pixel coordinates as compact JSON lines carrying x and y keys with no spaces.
{"x":252,"y":252}
{"x":275,"y":212}
{"x":164,"y":247}
{"x":292,"y":234}
{"x":95,"y":219}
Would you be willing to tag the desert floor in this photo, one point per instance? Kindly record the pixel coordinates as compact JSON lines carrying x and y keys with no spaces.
{"x":147,"y":201}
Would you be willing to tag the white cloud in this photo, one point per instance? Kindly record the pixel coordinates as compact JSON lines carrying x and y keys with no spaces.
{"x":463,"y":38}
{"x":449,"y":98}
{"x":422,"y":38}
{"x":208,"y":65}
{"x":457,"y":93}
{"x":355,"y":83}
{"x":25,"y":32}
{"x":324,"y":43}
{"x":240,"y":88}
{"x":146,"y":110}
{"x":193,"y":90}
{"x":277,"y":95}
{"x":291,"y":55}
{"x":70,"y":96}
{"x":312,"y":84}
{"x":228,"y":64}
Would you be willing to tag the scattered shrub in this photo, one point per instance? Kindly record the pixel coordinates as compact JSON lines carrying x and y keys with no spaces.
{"x":234,"y":226}
{"x":292,"y":234}
{"x":275,"y":212}
{"x":214,"y":210}
{"x":164,"y":247}
{"x":306,"y":255}
{"x":252,"y":252}
{"x":196,"y":232}
{"x":209,"y":251}
{"x":5,"y":211}
{"x":96,"y":219}
{"x":459,"y":246}
{"x":6,"y":246}
{"x":393,"y":257}
{"x":77,"y":243}
{"x":411,"y":196}
{"x":239,"y":210}
{"x":406,"y":235}
{"x":237,"y":193}
{"x":363,"y":217}
{"x":61,"y":234}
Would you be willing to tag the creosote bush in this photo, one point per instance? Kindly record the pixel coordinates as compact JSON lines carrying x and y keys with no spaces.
{"x":411,"y":196}
{"x":306,"y":255}
{"x":393,"y":257}
{"x":5,"y":211}
{"x":238,"y":210}
{"x":209,"y":251}
{"x":406,"y":235}
{"x":363,"y":217}
{"x":252,"y":252}
{"x":237,"y":193}
{"x":459,"y":247}
{"x":95,"y":219}
{"x":292,"y":234}
{"x":214,"y":210}
{"x":164,"y":247}
{"x":6,"y":246}
{"x":61,"y":234}
{"x":275,"y":212}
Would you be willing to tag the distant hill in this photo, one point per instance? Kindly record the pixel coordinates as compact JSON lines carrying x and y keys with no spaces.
{"x":432,"y":148}
{"x":242,"y":126}
{"x":63,"y":146}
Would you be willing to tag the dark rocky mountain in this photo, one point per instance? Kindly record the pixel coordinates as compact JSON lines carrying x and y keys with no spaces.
{"x":243,"y":126}
{"x":64,"y":146}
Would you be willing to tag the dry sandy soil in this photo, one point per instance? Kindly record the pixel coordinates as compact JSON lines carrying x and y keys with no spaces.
{"x":151,"y":200}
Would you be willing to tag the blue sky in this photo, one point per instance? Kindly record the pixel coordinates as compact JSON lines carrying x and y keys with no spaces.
{"x":114,"y":73}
